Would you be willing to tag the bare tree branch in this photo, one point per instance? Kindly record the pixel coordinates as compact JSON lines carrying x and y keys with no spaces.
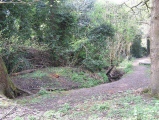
{"x":142,"y":3}
{"x":20,"y":2}
{"x":143,"y":22}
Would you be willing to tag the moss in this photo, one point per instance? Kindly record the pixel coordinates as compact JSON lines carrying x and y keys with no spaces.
{"x":7,"y":87}
{"x":146,"y":90}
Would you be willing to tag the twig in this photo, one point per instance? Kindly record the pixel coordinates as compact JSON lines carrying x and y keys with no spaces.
{"x":85,"y":50}
{"x":142,"y":3}
{"x":20,"y":2}
{"x":24,"y":91}
{"x":23,"y":72}
{"x":50,"y":89}
{"x":8,"y":112}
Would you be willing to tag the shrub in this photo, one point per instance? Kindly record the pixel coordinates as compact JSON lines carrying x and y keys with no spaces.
{"x":126,"y":65}
{"x":43,"y":91}
{"x":136,"y":48}
{"x":93,"y":65}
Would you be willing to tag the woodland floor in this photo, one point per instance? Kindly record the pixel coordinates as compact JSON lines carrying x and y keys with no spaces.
{"x":103,"y":102}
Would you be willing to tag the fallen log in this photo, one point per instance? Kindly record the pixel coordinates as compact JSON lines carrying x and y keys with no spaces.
{"x":114,"y":74}
{"x":144,"y":63}
{"x":109,"y":70}
{"x":21,"y":91}
{"x":49,"y":89}
{"x":22,"y":72}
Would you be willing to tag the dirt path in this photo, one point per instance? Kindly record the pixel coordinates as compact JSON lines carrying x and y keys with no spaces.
{"x":139,"y":78}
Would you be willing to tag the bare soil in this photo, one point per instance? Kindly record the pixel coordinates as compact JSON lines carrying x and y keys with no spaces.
{"x":33,"y":85}
{"x":134,"y":81}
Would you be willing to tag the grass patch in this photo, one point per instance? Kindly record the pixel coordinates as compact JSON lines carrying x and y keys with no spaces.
{"x":101,"y":106}
{"x":83,"y":77}
{"x":122,"y":106}
{"x":49,"y":114}
{"x":65,"y":108}
{"x":43,"y":92}
{"x":127,"y":66}
{"x":36,"y":99}
{"x":36,"y":74}
{"x":126,"y":107}
{"x":32,"y":117}
{"x":18,"y":118}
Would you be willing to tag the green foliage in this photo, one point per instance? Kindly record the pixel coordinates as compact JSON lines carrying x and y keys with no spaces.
{"x":126,"y":65}
{"x":20,"y":64}
{"x":83,"y":77}
{"x":43,"y":91}
{"x":78,"y":33}
{"x":126,"y":105}
{"x":16,"y":60}
{"x":31,"y":117}
{"x":101,"y":33}
{"x":87,"y":79}
{"x":101,"y":107}
{"x":93,"y":65}
{"x":128,"y":68}
{"x":136,"y":49}
{"x":66,"y":107}
{"x":98,"y":38}
{"x":36,"y":22}
{"x":104,"y":76}
{"x":36,"y":74}
{"x":48,"y":114}
{"x":18,"y":118}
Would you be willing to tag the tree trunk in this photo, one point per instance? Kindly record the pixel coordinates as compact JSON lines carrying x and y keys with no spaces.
{"x":148,"y":46}
{"x":6,"y":85}
{"x":155,"y":47}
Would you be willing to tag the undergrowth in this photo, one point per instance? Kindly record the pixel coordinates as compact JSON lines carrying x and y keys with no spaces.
{"x":125,"y":107}
{"x":121,"y":106}
{"x":83,"y":77}
{"x":126,"y":65}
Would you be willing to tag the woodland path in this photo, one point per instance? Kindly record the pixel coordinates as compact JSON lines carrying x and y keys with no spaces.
{"x":135,"y":80}
{"x":139,"y":78}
